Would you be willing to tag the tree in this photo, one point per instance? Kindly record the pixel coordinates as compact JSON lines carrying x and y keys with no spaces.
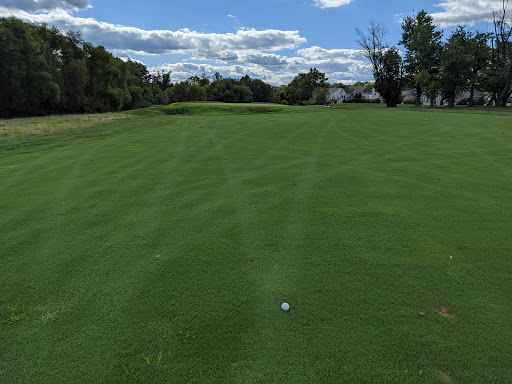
{"x":75,"y":74}
{"x":201,"y":81}
{"x":44,"y":71}
{"x":386,"y":62}
{"x":319,"y":96}
{"x":301,"y":87}
{"x":280,"y":94}
{"x":242,"y":94}
{"x":478,"y":60}
{"x":27,"y":84}
{"x":456,"y":64}
{"x":499,"y":75}
{"x":430,"y":84}
{"x":76,"y":77}
{"x":261,"y":91}
{"x":180,"y":92}
{"x":363,"y":83}
{"x":162,"y":80}
{"x":197,"y":93}
{"x":423,"y":46}
{"x":221,"y":90}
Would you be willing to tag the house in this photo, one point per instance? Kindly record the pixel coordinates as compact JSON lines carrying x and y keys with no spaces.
{"x":477,"y":96}
{"x":426,"y":101}
{"x":339,"y":95}
{"x":366,"y":92}
{"x":350,"y":93}
{"x":336,"y":95}
{"x":408,"y":94}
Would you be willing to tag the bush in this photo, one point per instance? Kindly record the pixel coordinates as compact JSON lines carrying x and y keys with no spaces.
{"x":361,"y":100}
{"x":479,"y":101}
{"x":410,"y":101}
{"x":476,"y":101}
{"x":284,"y":102}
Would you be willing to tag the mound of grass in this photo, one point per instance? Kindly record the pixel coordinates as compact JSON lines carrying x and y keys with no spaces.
{"x":154,"y":111}
{"x":38,"y":126}
{"x":215,"y":108}
{"x":37,"y":131}
{"x":358,"y":106}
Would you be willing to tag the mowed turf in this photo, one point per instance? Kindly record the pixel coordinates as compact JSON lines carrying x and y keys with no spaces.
{"x":160,"y":248}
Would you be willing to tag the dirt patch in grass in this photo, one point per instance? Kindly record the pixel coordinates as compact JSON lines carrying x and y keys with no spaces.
{"x":49,"y":124}
{"x":445,"y":311}
{"x":445,"y":377}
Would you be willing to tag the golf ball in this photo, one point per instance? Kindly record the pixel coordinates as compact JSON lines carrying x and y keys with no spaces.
{"x":285,"y":306}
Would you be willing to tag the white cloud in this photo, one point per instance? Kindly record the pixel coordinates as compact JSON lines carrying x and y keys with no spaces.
{"x":182,"y":71}
{"x":459,"y":12}
{"x":319,"y":53}
{"x":332,"y":3}
{"x":45,"y":5}
{"x":211,"y":46}
{"x":343,"y":65}
{"x":247,"y":51}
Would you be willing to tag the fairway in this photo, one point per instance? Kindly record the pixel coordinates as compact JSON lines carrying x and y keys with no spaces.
{"x":159,"y":248}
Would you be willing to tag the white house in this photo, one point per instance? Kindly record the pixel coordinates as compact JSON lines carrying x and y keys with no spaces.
{"x":336,"y":95}
{"x":426,"y":101}
{"x":366,"y":92}
{"x":410,"y":94}
{"x":339,"y":95}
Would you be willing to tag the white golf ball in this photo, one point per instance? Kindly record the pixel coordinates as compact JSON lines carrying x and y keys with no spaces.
{"x":285,"y":306}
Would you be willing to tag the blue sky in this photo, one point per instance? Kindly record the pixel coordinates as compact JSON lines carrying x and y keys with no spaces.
{"x":268,"y":39}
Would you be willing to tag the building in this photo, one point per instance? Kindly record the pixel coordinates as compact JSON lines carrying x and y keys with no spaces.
{"x":339,"y":95}
{"x":366,"y":92}
{"x":336,"y":95}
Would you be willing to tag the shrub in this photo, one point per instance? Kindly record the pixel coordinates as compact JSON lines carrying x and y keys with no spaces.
{"x":476,"y":101}
{"x":362,"y":100}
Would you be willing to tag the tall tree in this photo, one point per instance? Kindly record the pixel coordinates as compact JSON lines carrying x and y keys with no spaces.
{"x":386,"y":62}
{"x":27,"y":85}
{"x":301,"y":87}
{"x":423,"y":46}
{"x":261,"y":91}
{"x":75,"y":75}
{"x":501,"y":59}
{"x":456,"y":64}
{"x":44,"y":71}
{"x":478,"y":60}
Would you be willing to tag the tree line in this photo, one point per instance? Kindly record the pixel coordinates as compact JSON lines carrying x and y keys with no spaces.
{"x":465,"y":62}
{"x":305,"y":88}
{"x":44,"y":71}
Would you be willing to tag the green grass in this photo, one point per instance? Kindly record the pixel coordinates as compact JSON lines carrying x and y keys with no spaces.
{"x":159,"y":248}
{"x":213,"y":108}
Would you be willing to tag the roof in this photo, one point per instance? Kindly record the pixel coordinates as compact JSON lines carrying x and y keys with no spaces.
{"x":362,"y":89}
{"x":408,"y":93}
{"x":333,"y":91}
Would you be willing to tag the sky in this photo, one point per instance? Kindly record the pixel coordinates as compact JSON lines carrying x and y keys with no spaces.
{"x":272,"y":40}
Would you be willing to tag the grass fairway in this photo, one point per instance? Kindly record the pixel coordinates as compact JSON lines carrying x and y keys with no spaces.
{"x":159,"y":248}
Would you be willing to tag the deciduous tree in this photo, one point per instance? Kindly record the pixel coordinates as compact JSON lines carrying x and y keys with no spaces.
{"x":422,"y":42}
{"x":386,"y":62}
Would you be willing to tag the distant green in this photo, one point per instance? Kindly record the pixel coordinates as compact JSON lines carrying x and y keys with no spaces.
{"x":158,"y":248}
